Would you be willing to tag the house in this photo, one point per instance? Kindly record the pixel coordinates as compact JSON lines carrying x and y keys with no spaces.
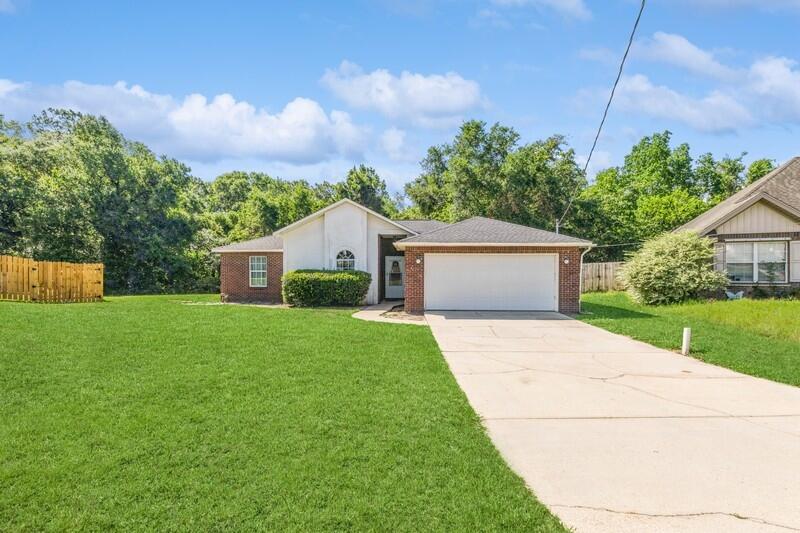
{"x":475,"y":264}
{"x":757,"y":231}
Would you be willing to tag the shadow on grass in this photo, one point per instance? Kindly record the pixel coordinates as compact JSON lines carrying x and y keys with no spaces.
{"x":593,"y":310}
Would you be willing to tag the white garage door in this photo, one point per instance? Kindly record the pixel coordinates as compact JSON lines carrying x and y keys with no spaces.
{"x":491,"y":282}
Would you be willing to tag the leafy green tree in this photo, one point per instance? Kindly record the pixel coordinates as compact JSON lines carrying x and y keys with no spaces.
{"x":484,"y":172}
{"x":364,"y":186}
{"x":660,"y":213}
{"x":759,"y":168}
{"x":80,"y":191}
{"x":657,"y":189}
{"x":719,"y":179}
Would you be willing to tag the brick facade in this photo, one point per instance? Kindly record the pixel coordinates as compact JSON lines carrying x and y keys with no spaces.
{"x":569,"y":274}
{"x":234,"y":277}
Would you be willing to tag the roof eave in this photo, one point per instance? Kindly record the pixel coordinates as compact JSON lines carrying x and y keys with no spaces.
{"x":754,"y":199}
{"x":324,"y":210}
{"x":223,"y":251}
{"x":400,"y":245}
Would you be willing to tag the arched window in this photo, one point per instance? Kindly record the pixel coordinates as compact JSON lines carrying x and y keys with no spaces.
{"x":345,"y":260}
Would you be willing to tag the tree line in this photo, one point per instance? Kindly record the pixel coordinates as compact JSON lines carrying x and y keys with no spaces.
{"x":73,"y":188}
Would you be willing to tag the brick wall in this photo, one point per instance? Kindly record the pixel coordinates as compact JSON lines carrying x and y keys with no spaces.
{"x":234,"y":278}
{"x":569,"y":275}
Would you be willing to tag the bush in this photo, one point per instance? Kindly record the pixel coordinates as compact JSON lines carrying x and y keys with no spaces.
{"x":672,"y":268}
{"x":312,"y":288}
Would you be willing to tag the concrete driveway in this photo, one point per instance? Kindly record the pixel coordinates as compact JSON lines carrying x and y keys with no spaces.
{"x":616,"y":435}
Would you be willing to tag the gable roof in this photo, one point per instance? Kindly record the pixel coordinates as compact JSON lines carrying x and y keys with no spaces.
{"x":422,"y":226}
{"x":487,"y":231}
{"x":780,"y":188}
{"x":334,"y":205}
{"x":268,"y":243}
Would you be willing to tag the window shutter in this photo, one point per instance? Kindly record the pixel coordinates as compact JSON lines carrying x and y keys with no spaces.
{"x":794,"y":257}
{"x":719,"y":256}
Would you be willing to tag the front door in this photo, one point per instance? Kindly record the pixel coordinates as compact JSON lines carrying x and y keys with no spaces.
{"x":394,"y":276}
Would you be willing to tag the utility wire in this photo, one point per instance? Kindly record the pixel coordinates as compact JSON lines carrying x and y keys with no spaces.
{"x":613,"y":245}
{"x":605,"y":112}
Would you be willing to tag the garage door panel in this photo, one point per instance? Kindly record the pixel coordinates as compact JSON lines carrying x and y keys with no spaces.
{"x":491,"y":281}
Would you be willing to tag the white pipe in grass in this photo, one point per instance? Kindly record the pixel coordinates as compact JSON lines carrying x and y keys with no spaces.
{"x":687,"y":340}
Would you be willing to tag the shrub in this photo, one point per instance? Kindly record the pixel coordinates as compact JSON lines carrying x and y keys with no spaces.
{"x":672,"y":268}
{"x":311,"y":288}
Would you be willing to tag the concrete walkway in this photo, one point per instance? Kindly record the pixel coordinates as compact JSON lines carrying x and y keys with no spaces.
{"x":616,"y":435}
{"x":382,"y":312}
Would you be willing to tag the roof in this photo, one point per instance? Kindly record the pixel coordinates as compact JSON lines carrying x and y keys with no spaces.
{"x":334,"y":205}
{"x":781,"y":188}
{"x":487,"y":231}
{"x":269,"y":243}
{"x":422,"y":226}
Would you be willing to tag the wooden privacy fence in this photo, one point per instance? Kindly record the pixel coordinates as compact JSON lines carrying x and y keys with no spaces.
{"x":26,"y":280}
{"x":601,"y":277}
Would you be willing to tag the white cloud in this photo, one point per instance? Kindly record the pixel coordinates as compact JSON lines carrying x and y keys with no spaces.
{"x":432,"y":100}
{"x":775,"y":82}
{"x":7,"y":86}
{"x":489,"y":18}
{"x":569,"y":8}
{"x":197,"y":127}
{"x":7,"y":6}
{"x":766,"y":92}
{"x":715,"y":112}
{"x":769,"y":5}
{"x":393,"y":143}
{"x":676,"y":50}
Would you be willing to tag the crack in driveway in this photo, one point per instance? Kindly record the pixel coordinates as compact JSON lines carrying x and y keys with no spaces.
{"x":678,"y":444}
{"x":679,"y":515}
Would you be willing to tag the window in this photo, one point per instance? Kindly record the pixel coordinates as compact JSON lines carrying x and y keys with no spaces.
{"x":258,"y":271}
{"x":794,"y":255}
{"x":345,"y":260}
{"x":756,"y":262}
{"x":771,"y":258}
{"x":739,"y":261}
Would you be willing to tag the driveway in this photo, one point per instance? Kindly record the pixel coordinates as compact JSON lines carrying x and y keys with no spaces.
{"x":615,"y":435}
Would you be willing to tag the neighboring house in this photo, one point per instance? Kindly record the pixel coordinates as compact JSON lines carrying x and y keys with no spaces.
{"x":476,"y":264}
{"x":757,"y":231}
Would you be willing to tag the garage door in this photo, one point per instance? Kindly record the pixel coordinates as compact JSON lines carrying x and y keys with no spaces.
{"x":491,"y":282}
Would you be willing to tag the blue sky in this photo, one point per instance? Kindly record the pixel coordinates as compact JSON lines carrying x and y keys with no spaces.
{"x":307,"y":89}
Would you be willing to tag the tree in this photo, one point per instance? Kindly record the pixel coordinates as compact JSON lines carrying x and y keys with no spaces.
{"x":717,"y":180}
{"x":363,"y":185}
{"x":484,"y":172}
{"x":80,"y":191}
{"x":657,"y":189}
{"x":758,"y":169}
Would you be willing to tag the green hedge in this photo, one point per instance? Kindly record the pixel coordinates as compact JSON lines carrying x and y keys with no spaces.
{"x":311,"y":288}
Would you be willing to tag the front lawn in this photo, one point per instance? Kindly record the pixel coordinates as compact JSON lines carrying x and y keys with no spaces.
{"x":757,"y":337}
{"x":171,"y":413}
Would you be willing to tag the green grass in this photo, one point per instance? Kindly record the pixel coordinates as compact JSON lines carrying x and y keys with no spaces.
{"x":756,"y":337}
{"x":148,"y":413}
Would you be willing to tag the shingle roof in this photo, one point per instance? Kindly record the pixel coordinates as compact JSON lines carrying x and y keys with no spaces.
{"x":480,"y":230}
{"x":421,"y":226}
{"x":267,"y":243}
{"x":781,"y":187}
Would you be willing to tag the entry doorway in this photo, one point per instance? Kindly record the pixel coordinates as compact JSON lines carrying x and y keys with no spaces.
{"x":392,"y":269}
{"x":394,"y":277}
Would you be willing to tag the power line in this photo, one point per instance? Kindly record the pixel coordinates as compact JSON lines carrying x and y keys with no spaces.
{"x":605,"y":112}
{"x":620,"y":244}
